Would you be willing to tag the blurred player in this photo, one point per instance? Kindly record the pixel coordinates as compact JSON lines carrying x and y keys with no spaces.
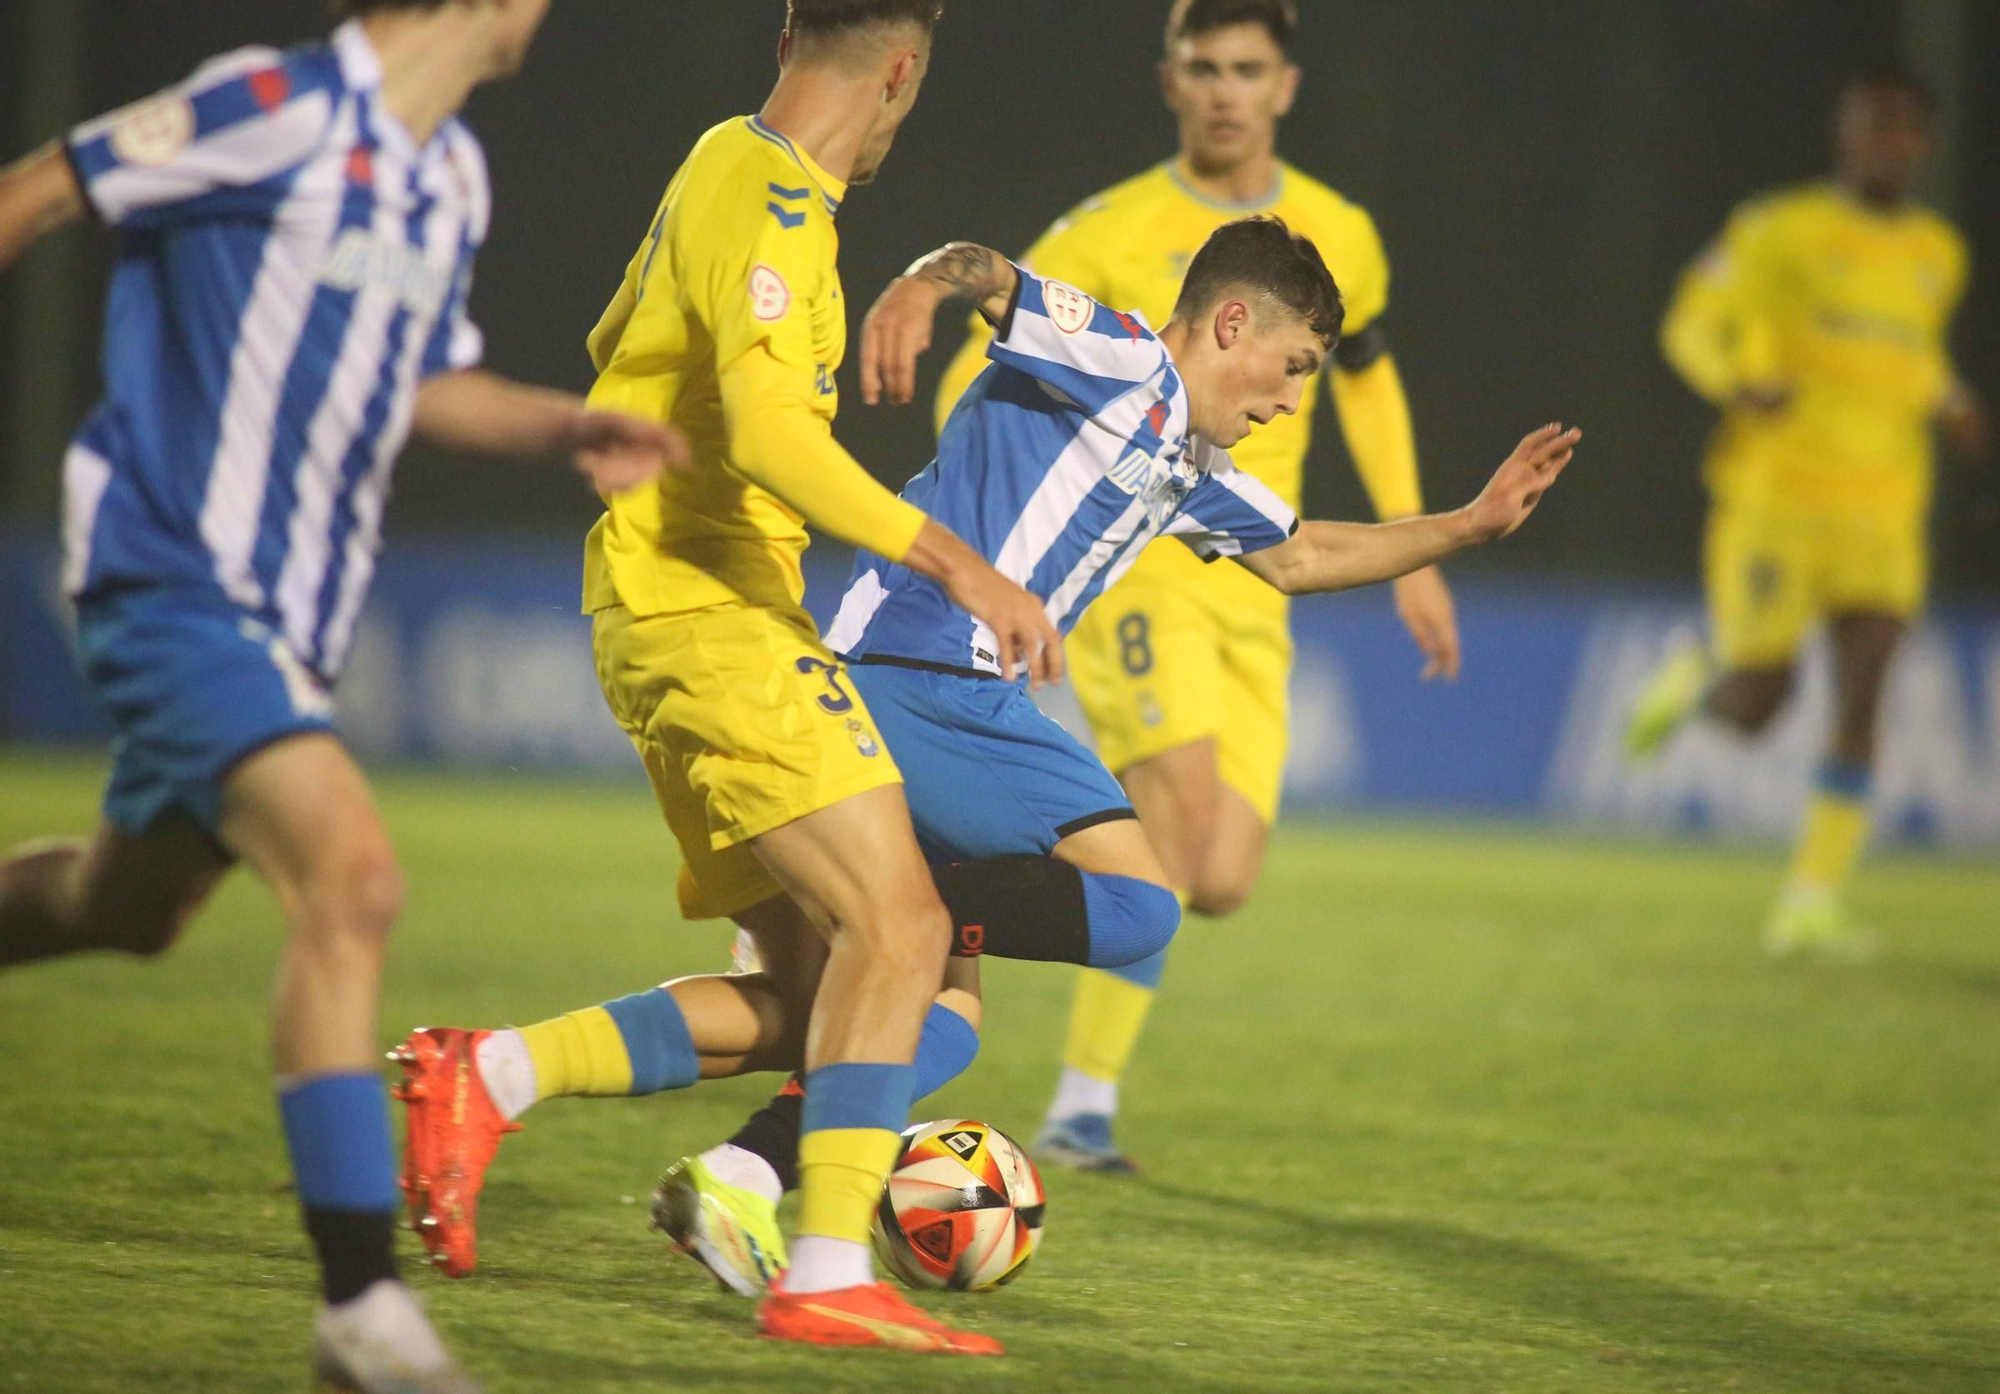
{"x":1087,"y":437}
{"x":1184,"y":675}
{"x":297,"y":237}
{"x":790,"y":815}
{"x":1818,"y":324}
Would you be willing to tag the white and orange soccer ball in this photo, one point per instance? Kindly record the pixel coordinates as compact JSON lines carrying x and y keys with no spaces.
{"x":963,"y":1208}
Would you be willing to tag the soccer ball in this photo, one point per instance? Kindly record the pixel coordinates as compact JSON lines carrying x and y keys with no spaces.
{"x":963,"y":1208}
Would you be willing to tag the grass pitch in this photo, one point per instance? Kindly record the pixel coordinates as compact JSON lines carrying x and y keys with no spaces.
{"x":1444,"y":1109}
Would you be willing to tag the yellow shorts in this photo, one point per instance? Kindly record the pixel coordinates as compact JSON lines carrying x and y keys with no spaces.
{"x":745,"y":722}
{"x":1157,"y":667}
{"x":1773,"y":574}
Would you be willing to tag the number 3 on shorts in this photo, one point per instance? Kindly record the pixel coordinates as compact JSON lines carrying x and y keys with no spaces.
{"x":1135,"y":643}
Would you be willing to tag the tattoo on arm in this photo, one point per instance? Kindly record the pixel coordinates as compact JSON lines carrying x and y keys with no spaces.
{"x":966,"y":270}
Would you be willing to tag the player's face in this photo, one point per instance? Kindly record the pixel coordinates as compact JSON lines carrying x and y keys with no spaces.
{"x":901,"y":86}
{"x":1229,"y":87}
{"x":1259,"y":375}
{"x":518,"y":22}
{"x":1881,"y":139}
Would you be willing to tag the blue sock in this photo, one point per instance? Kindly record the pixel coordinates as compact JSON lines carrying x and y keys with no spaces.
{"x":337,"y":1130}
{"x":657,"y":1041}
{"x":1845,"y":779}
{"x":945,"y":1051}
{"x":1131,"y":922}
{"x":1145,"y":973}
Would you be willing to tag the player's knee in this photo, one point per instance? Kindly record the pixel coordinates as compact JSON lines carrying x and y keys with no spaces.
{"x":1218,"y":894}
{"x":358,"y":894}
{"x":1130,"y":920}
{"x":912,"y":927}
{"x":1750,"y":701}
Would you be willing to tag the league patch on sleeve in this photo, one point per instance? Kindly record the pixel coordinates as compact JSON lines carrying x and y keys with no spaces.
{"x":155,"y":132}
{"x":770,"y":297}
{"x":1070,"y":310}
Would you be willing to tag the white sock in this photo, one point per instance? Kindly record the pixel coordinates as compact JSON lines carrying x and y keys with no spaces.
{"x":739,"y":1166}
{"x":821,"y":1264}
{"x":1078,"y":1092}
{"x":508,"y":1072}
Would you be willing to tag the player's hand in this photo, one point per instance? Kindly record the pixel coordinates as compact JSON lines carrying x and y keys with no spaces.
{"x":1765,"y":399}
{"x":1518,"y":485}
{"x":1424,"y":604}
{"x":1966,"y":426}
{"x":896,"y":334}
{"x":1021,"y":626}
{"x":619,"y":452}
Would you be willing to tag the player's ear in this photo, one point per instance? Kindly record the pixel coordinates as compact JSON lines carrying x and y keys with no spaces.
{"x":1288,"y":89}
{"x":902,"y":73}
{"x":1232,"y":322}
{"x":785,"y":46}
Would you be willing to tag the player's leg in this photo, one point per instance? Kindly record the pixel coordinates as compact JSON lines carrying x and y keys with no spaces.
{"x":1809,"y":913}
{"x":1146,"y":665}
{"x":300,"y":814}
{"x":1762,"y":600}
{"x":117,"y":891}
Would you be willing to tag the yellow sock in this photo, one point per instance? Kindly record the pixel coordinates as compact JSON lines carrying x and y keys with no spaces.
{"x":582,"y":1053}
{"x":1836,"y":829}
{"x":841,"y":1175}
{"x":1104,"y":1023}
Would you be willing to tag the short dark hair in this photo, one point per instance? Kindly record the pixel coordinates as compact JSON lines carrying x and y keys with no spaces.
{"x":354,"y":9}
{"x":1280,"y":18}
{"x":1264,"y":256}
{"x":828,"y":17}
{"x":1892,"y":77}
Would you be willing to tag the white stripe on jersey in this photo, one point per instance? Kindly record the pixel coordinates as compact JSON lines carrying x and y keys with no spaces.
{"x":1097,"y":558}
{"x":241,"y":155}
{"x":86,"y":475}
{"x":273,"y":322}
{"x":443,"y":233}
{"x":857,"y":607}
{"x":336,"y":424}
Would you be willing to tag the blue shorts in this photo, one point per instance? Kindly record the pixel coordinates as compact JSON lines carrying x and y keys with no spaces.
{"x":986,"y":773}
{"x":191,"y":685}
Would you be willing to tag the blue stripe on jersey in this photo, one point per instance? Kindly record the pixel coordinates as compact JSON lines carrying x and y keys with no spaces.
{"x":1101,"y":508}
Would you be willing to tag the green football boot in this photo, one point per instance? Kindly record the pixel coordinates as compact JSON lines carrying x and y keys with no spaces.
{"x":1808,"y":921}
{"x":729,"y":1230}
{"x":1671,"y":696}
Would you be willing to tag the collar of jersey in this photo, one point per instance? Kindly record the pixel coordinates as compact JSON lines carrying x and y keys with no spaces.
{"x":361,"y":65}
{"x":830,"y":189}
{"x":1248,"y":205}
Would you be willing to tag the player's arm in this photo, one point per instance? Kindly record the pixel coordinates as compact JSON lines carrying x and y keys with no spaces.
{"x":1324,"y":556}
{"x":1063,"y":252}
{"x":899,"y":327}
{"x":38,"y":194}
{"x":472,"y":409}
{"x":1716,"y":334}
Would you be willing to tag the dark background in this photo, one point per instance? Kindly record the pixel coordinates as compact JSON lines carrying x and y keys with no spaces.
{"x":1540,"y":170}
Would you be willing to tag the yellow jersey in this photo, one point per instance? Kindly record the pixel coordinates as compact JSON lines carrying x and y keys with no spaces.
{"x":742,"y":253}
{"x":1846,"y":306}
{"x":1129,"y":247}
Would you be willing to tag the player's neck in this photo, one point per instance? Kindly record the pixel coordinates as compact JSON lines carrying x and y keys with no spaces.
{"x":826,"y":113}
{"x":431,"y":60}
{"x":1871,"y":198}
{"x":1254,"y":179}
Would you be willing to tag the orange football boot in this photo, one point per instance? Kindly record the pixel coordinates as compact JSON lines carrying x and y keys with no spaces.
{"x":454,"y":1130}
{"x":874,"y":1314}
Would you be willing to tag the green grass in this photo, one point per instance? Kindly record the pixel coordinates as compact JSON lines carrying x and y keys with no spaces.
{"x":1444,"y":1109}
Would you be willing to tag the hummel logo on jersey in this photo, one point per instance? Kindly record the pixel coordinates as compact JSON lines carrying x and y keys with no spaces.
{"x":358,"y":258}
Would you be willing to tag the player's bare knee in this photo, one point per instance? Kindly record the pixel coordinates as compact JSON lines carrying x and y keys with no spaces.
{"x":356,"y":895}
{"x":1215,"y":896}
{"x":1748,"y":701}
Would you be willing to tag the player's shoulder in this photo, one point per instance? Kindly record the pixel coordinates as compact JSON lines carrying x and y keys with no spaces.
{"x":1130,"y":199}
{"x":1786,"y":207}
{"x":740,"y":174}
{"x":1934,"y":227}
{"x":1305,"y":198}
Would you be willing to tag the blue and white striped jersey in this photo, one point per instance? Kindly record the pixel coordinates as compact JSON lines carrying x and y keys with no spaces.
{"x":1067,"y":456}
{"x":292,"y":264}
